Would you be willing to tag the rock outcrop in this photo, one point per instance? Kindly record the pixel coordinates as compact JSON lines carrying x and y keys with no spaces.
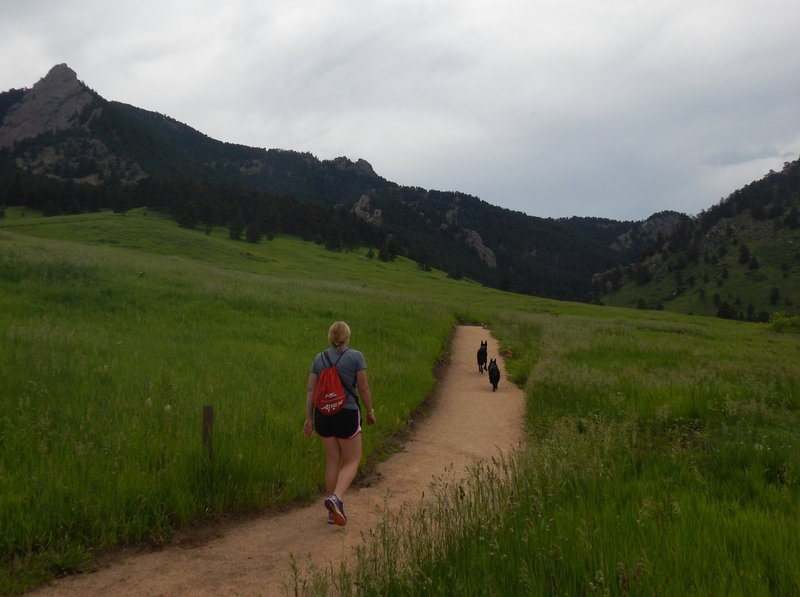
{"x":361,"y":165}
{"x":56,"y":102}
{"x":474,"y":239}
{"x":646,"y":232}
{"x":363,"y":211}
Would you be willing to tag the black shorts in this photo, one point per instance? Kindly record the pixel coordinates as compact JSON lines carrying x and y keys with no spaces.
{"x":345,"y":424}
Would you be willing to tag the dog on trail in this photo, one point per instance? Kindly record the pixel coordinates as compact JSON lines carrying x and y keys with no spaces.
{"x":482,"y":356}
{"x":494,"y":374}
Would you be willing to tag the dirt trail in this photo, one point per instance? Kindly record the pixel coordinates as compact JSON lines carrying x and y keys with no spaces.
{"x":467,"y":422}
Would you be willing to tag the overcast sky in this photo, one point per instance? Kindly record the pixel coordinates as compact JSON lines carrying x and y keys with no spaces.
{"x":611,"y":108}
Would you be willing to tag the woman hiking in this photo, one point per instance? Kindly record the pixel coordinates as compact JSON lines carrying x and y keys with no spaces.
{"x":340,"y":432}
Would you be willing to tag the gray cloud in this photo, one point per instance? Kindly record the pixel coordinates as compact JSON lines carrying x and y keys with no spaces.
{"x":615,"y":109}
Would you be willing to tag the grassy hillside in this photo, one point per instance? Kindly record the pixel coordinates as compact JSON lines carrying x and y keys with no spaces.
{"x":749,"y":266}
{"x":740,"y":259}
{"x":660,"y":454}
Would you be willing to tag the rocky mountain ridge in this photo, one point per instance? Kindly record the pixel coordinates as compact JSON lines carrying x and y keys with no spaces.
{"x":66,"y":133}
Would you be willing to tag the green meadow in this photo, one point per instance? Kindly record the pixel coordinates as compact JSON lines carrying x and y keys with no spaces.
{"x":662,"y":459}
{"x":662,"y":453}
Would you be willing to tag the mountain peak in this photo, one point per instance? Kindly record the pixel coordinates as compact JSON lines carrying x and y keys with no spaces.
{"x":60,"y":72}
{"x":56,"y":102}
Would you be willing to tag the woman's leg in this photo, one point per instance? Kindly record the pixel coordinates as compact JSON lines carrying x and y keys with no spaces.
{"x":333,"y":458}
{"x":350,"y":454}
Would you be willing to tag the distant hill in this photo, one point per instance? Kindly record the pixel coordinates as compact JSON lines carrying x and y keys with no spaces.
{"x":65,"y":149}
{"x":740,"y":259}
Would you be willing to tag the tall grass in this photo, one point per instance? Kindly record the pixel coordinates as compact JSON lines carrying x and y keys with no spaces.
{"x":662,"y":459}
{"x":109,"y":354}
{"x":661,"y":456}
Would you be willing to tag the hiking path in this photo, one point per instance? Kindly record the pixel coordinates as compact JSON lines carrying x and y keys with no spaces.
{"x":466,"y":421}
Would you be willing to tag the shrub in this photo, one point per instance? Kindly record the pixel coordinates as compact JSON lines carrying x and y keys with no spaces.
{"x":783,"y":323}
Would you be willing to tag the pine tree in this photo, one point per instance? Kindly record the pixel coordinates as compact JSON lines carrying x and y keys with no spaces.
{"x":253,"y":232}
{"x":236,"y":227}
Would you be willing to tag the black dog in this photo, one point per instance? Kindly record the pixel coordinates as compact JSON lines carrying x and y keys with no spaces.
{"x":494,"y":374}
{"x":482,"y":357}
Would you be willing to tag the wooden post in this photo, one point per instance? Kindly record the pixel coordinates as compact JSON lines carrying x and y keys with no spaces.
{"x":208,"y":428}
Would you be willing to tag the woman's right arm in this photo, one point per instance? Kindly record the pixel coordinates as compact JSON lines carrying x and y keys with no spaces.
{"x":366,"y":395}
{"x":308,"y":425}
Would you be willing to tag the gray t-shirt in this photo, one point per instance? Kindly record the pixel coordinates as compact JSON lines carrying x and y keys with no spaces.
{"x":349,"y":363}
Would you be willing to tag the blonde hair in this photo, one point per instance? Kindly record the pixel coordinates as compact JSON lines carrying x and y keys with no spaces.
{"x":339,"y":335}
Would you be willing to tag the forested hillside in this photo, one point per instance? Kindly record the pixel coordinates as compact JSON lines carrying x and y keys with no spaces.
{"x":65,"y":149}
{"x":740,"y":259}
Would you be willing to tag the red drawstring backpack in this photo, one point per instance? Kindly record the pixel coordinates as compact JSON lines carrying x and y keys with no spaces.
{"x":330,"y":395}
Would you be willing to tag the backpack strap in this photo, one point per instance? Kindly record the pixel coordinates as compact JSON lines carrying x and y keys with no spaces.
{"x":351,"y":391}
{"x":326,"y":360}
